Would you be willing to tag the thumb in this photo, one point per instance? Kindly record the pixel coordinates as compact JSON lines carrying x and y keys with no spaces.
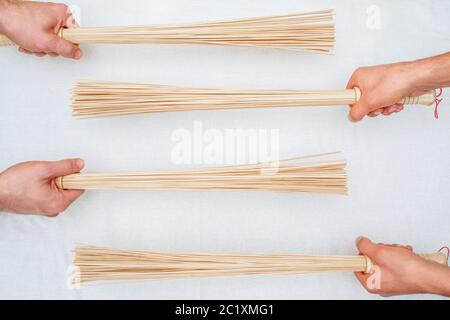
{"x":362,"y":278}
{"x":358,"y":111}
{"x":366,"y":247}
{"x":66,"y":48}
{"x":65,"y":167}
{"x":71,"y":195}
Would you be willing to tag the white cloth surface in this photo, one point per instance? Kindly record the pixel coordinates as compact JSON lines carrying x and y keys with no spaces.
{"x":398,"y":166}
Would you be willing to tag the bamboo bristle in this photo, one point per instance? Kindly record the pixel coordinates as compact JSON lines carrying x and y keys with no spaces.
{"x":102,"y":264}
{"x":102,"y":98}
{"x":313,"y":32}
{"x":292,"y":175}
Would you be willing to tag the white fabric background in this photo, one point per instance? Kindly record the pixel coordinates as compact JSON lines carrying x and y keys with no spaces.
{"x":398,"y":166}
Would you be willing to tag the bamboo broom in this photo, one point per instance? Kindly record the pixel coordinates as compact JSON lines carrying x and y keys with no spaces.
{"x":313,"y":32}
{"x":103,"y":99}
{"x":102,"y":264}
{"x":292,"y":175}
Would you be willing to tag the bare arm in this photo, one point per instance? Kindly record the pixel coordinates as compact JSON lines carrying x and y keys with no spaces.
{"x":382,"y":86}
{"x":434,"y":72}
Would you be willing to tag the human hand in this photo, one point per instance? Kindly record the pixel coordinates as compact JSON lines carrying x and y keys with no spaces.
{"x":30,"y":187}
{"x":401,"y":271}
{"x":34,"y":26}
{"x":382,"y":86}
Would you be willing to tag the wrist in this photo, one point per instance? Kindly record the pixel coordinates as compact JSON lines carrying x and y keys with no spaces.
{"x":408,"y":76}
{"x":420,"y":75}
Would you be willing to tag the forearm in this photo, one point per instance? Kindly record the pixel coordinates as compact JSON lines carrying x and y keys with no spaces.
{"x":436,"y":280}
{"x":431,"y":73}
{"x":5,"y":5}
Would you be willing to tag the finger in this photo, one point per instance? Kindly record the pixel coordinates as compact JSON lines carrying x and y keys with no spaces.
{"x":22,"y":50}
{"x":400,"y":107}
{"x":52,"y":54}
{"x":389,"y":110}
{"x":354,"y":80}
{"x":359,"y":110}
{"x":65,"y":48}
{"x":375,"y":113}
{"x":366,"y":247}
{"x":396,"y":245}
{"x":393,"y":109}
{"x":65,"y":167}
{"x":417,"y":93}
{"x":40,"y":54}
{"x":362,"y":278}
{"x":406,"y":247}
{"x":71,"y":23}
{"x":71,"y":195}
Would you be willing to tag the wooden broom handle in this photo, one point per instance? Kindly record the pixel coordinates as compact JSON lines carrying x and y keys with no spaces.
{"x":426,"y":99}
{"x":60,"y":183}
{"x":437,"y":257}
{"x":4,"y":41}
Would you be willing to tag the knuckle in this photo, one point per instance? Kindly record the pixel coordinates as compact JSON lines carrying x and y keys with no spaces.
{"x":44,"y":169}
{"x":380,"y":254}
{"x":359,"y":70}
{"x":62,"y":7}
{"x":357,"y":75}
{"x":31,"y":163}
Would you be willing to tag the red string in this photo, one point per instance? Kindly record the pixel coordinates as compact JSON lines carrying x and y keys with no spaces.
{"x":438,"y":101}
{"x":445,"y":248}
